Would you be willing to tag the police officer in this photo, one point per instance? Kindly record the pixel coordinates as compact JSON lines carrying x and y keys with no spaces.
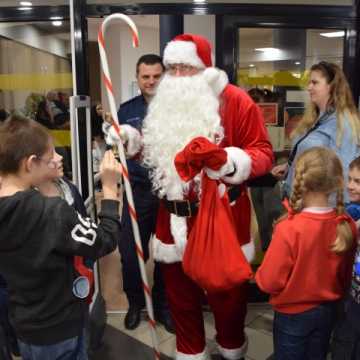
{"x":149,"y":70}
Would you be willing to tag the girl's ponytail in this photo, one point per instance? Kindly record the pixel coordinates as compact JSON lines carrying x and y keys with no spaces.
{"x":345,"y":237}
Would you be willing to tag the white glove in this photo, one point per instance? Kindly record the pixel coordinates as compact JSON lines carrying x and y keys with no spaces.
{"x":227,"y":168}
{"x":128,"y":135}
{"x":238,"y":166}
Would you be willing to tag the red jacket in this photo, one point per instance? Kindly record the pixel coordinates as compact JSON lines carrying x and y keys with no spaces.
{"x":299,"y":270}
{"x":244,"y":128}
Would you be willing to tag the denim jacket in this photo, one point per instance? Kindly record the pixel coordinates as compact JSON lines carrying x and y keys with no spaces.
{"x":325,"y":135}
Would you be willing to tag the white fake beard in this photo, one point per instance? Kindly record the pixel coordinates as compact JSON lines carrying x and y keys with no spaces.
{"x":182,"y":109}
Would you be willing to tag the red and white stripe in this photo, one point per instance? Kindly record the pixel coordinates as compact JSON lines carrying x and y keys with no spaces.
{"x":129,"y":195}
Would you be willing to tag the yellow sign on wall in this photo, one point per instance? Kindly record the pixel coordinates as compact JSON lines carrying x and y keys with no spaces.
{"x":34,"y":82}
{"x":277,"y":78}
{"x":61,"y":137}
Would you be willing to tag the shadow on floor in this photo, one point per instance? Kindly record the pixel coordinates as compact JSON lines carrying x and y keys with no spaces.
{"x":118,"y":345}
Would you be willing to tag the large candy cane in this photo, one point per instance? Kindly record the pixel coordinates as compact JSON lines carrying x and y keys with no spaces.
{"x":115,"y":124}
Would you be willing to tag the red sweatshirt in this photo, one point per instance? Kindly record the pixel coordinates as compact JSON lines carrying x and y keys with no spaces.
{"x":299,"y":270}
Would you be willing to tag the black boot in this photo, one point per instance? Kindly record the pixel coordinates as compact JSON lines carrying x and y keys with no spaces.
{"x":163,"y":317}
{"x":132,"y":318}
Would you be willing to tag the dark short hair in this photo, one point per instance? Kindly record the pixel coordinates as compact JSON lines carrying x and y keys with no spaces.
{"x":257,"y":95}
{"x":20,"y":138}
{"x":355,"y":164}
{"x":149,"y":59}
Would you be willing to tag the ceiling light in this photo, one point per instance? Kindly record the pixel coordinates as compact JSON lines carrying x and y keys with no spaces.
{"x":199,"y":1}
{"x":251,"y":65}
{"x":25,"y":3}
{"x":57,"y":23}
{"x":25,"y":8}
{"x":297,"y":62}
{"x":56,"y":18}
{"x":333,"y":34}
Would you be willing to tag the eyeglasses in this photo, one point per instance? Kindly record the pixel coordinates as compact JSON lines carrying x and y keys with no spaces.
{"x":181,"y":68}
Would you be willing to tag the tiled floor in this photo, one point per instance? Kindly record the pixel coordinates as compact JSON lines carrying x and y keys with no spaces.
{"x":136,"y":345}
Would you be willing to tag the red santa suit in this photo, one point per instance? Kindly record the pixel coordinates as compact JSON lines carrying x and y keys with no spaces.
{"x":250,"y":155}
{"x":224,"y":110}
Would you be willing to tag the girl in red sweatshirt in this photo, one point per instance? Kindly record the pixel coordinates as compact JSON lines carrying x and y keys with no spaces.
{"x":307,"y":267}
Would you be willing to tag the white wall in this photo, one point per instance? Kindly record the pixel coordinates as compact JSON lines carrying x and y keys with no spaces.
{"x":122,"y":57}
{"x":149,"y":43}
{"x":29,"y":35}
{"x":202,"y":25}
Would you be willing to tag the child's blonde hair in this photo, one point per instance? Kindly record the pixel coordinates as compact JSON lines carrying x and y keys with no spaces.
{"x":319,"y":170}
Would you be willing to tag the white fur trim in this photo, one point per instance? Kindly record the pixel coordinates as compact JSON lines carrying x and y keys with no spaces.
{"x":234,"y":354}
{"x":200,"y":356}
{"x":182,"y":52}
{"x":242,"y":163}
{"x":216,"y":78}
{"x":165,"y":253}
{"x":249,"y":250}
{"x":178,"y":227}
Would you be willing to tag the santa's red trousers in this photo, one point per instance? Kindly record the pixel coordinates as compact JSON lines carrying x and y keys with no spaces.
{"x":186,"y":299}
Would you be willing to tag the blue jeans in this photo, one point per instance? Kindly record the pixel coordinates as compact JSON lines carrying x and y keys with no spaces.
{"x":304,"y":336}
{"x":70,"y":349}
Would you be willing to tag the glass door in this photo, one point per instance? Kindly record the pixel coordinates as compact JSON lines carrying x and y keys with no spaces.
{"x":35,"y":76}
{"x":272,"y":66}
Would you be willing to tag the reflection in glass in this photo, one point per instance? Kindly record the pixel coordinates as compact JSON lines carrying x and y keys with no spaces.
{"x":35,"y":76}
{"x":274,"y":61}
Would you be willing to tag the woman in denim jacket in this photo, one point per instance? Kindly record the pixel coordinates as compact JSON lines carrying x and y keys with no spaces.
{"x":331,"y":120}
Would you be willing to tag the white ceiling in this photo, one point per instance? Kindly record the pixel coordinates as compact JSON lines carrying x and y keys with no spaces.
{"x":125,"y":2}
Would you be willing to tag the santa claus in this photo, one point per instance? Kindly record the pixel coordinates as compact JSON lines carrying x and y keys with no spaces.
{"x":195,"y":99}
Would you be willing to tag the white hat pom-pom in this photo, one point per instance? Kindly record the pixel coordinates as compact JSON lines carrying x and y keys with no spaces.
{"x":216,"y":78}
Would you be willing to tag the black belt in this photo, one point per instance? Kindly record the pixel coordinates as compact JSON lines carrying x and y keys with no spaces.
{"x":189,"y":208}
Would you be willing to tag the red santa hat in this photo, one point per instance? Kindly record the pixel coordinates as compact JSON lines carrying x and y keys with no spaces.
{"x":195,"y":50}
{"x":188,"y":49}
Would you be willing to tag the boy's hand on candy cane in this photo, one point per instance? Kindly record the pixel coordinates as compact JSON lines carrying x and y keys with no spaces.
{"x":110,"y":173}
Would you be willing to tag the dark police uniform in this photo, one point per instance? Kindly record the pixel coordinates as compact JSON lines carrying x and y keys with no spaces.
{"x":132,"y":113}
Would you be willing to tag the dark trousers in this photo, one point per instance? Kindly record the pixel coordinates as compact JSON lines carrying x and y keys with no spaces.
{"x":8,"y":339}
{"x":346,"y":338}
{"x":268,"y":208}
{"x":304,"y":336}
{"x":146,"y":205}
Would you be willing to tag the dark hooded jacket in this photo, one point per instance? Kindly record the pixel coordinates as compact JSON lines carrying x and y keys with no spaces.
{"x":38,"y":238}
